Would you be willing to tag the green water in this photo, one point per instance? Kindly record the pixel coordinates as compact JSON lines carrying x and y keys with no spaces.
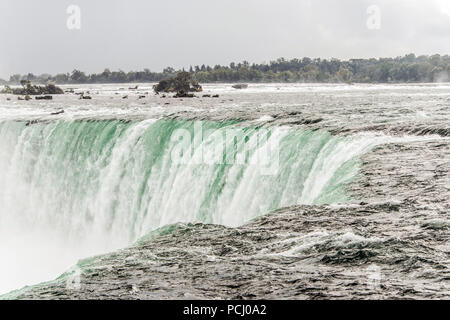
{"x":74,"y":189}
{"x":119,"y":178}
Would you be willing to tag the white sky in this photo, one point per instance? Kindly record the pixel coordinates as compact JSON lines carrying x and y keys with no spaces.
{"x":137,"y":34}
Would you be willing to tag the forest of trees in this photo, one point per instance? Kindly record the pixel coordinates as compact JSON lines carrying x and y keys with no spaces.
{"x":435,"y":68}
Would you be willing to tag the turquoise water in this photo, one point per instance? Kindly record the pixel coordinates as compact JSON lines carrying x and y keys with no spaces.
{"x":78,"y":188}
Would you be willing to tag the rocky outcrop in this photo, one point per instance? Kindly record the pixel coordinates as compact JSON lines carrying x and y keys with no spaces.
{"x":182,"y":83}
{"x":29,"y":89}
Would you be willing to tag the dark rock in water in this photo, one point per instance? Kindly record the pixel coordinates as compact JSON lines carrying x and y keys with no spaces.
{"x":305,"y":121}
{"x":312,"y":121}
{"x":57,"y":112}
{"x":215,"y":96}
{"x":240,"y":86}
{"x":182,"y":94}
{"x":182,"y":82}
{"x":125,"y":97}
{"x":141,"y":97}
{"x":29,"y":123}
{"x":133,"y":88}
{"x":85,"y":97}
{"x":206,"y":96}
{"x":44,"y":98}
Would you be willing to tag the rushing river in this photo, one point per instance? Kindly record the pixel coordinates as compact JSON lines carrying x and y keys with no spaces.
{"x":115,"y":173}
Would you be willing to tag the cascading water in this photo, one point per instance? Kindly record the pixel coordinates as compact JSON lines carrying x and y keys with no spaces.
{"x":71,"y":189}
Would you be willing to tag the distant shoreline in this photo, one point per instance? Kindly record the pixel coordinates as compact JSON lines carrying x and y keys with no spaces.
{"x":407,"y":69}
{"x":250,"y":83}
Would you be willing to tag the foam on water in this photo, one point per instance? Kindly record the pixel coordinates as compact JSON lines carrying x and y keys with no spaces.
{"x":72,"y":189}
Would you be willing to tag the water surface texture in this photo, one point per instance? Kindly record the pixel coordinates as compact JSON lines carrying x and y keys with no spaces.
{"x":319,"y":191}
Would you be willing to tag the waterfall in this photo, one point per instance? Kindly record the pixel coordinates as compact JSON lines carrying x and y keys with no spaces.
{"x":71,"y":189}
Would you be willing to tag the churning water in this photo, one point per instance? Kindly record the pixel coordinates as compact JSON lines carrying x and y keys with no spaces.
{"x":75,"y":187}
{"x":70,"y":189}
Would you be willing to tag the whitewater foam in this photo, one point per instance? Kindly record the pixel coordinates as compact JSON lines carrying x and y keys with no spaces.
{"x":78,"y":188}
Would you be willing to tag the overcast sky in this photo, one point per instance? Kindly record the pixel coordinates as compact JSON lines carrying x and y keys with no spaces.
{"x":138,"y":34}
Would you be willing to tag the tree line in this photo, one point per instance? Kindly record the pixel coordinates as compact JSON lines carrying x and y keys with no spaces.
{"x":409,"y":68}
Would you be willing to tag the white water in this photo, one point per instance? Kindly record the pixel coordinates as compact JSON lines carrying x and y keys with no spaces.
{"x":70,"y":190}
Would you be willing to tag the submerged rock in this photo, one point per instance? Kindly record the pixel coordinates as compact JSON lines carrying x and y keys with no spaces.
{"x":184,"y":95}
{"x":26,"y":98}
{"x":44,"y":98}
